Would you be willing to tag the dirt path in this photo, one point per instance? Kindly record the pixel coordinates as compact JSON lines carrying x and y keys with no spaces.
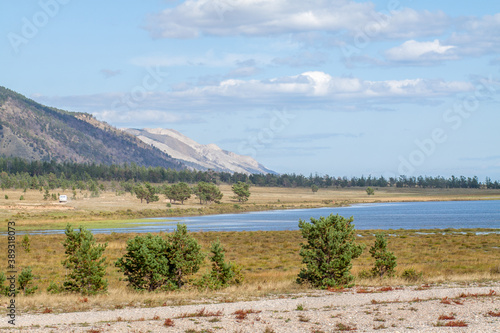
{"x":398,"y":310}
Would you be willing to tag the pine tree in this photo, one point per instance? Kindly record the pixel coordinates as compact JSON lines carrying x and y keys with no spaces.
{"x":241,"y":191}
{"x":85,"y":261}
{"x":145,"y":263}
{"x":222,"y":273}
{"x":328,"y":252}
{"x":25,"y":280}
{"x":152,"y":262}
{"x":184,"y":255}
{"x":26,"y":243}
{"x":385,"y":261}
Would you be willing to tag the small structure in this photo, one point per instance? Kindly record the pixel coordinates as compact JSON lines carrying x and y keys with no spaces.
{"x":63,"y":198}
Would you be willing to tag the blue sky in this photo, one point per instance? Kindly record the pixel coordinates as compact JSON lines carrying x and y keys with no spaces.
{"x":340,"y":87}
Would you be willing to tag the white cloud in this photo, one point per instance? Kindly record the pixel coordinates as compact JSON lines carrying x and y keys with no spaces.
{"x":191,"y":19}
{"x":477,"y":36}
{"x":308,"y":90}
{"x":408,"y":23}
{"x":414,"y":51}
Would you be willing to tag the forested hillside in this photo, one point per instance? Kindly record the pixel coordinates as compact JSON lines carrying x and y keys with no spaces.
{"x":36,"y":132}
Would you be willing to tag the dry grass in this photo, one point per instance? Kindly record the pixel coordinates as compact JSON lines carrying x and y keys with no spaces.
{"x":270,"y":262}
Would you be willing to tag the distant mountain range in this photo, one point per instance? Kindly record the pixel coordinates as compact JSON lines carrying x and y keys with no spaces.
{"x":32,"y":131}
{"x":195,"y":155}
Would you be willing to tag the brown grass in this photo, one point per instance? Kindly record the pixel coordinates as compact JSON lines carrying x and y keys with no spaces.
{"x":457,"y":323}
{"x":169,"y":323}
{"x":201,"y":313}
{"x":242,"y":314}
{"x":447,"y":317}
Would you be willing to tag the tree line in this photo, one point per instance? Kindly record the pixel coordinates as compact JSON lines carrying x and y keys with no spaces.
{"x":19,"y":173}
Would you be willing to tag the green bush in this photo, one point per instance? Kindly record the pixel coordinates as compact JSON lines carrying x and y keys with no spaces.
{"x":85,"y":262}
{"x":145,"y":264}
{"x":152,"y":262}
{"x":385,"y":261}
{"x":411,"y":275}
{"x":25,"y":280}
{"x":328,"y":252}
{"x":26,"y":243}
{"x":4,"y":290}
{"x":53,"y":288}
{"x":365,"y":274}
{"x":222,"y":273}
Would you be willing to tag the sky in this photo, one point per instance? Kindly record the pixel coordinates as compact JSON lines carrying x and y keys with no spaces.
{"x":339,"y":87}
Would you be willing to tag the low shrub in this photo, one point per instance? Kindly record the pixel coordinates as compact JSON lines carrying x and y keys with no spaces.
{"x":411,"y":275}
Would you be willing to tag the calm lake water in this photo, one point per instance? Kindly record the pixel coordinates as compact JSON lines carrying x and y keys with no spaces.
{"x":407,"y":215}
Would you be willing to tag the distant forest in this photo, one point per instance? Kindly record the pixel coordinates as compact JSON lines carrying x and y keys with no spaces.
{"x":19,"y":173}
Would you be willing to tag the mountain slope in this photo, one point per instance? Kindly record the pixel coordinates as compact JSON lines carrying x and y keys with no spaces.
{"x":195,"y":155}
{"x":36,"y":132}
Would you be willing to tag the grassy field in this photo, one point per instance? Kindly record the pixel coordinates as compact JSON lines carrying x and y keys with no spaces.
{"x":270,"y":262}
{"x":270,"y":259}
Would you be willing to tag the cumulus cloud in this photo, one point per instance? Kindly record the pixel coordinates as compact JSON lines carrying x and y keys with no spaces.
{"x":414,"y":51}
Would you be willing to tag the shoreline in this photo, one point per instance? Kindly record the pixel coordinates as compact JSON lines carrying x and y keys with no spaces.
{"x":120,"y":211}
{"x":131,"y":226}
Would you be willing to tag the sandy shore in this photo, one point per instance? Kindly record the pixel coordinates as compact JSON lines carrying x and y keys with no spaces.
{"x":475,"y":308}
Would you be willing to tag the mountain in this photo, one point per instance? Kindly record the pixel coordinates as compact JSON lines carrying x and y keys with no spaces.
{"x":195,"y":155}
{"x":33,"y":131}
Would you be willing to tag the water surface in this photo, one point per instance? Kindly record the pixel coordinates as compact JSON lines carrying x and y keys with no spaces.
{"x":401,"y":215}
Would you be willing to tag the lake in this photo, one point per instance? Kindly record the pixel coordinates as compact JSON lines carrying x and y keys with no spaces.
{"x":401,"y":215}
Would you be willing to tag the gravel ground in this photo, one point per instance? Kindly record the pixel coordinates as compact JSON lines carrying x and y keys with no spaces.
{"x":408,"y":309}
